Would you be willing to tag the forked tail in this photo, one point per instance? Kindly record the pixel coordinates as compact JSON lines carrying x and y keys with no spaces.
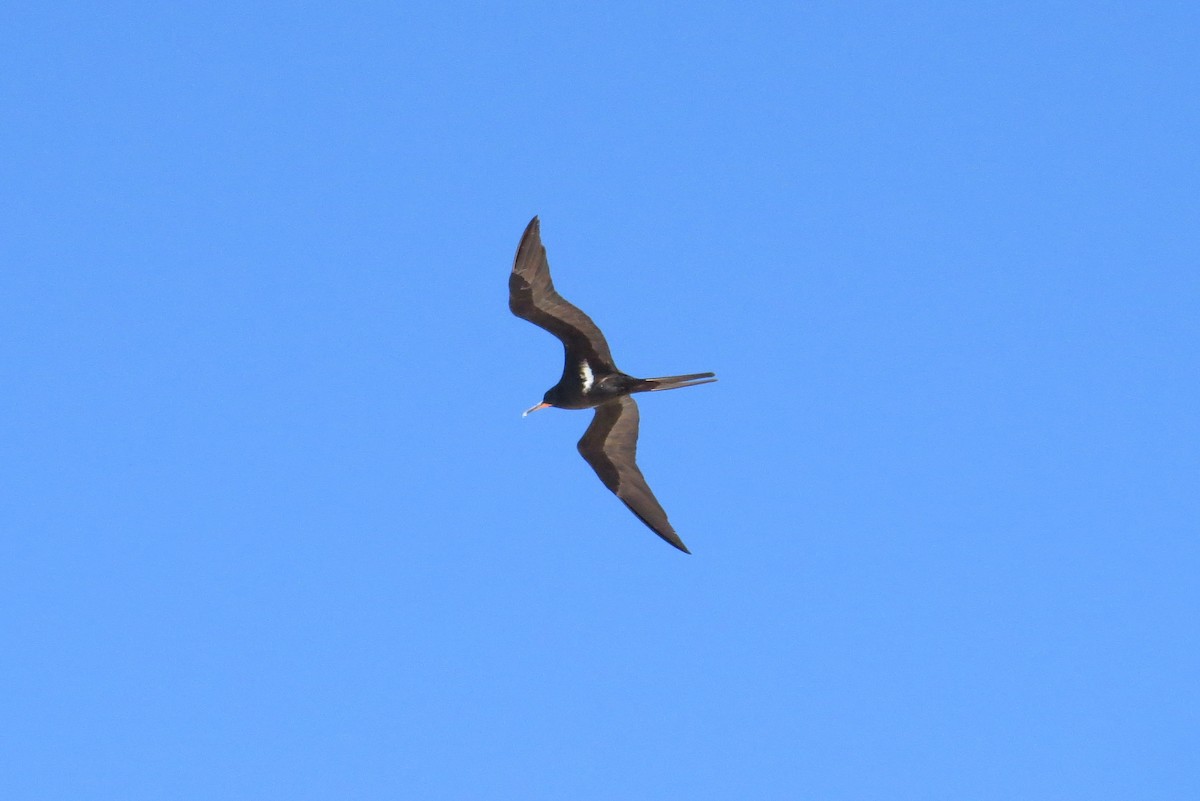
{"x":674,"y":382}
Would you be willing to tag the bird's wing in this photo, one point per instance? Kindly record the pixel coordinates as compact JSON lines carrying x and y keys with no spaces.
{"x":610,"y":446}
{"x":531,"y":296}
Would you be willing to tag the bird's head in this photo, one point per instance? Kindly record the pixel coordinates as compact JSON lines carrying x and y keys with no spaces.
{"x":548,"y":400}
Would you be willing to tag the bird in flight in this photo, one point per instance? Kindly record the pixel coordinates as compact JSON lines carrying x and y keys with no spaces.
{"x":590,"y":380}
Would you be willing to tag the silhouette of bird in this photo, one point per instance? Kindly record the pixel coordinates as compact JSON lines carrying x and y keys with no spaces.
{"x":591,"y":379}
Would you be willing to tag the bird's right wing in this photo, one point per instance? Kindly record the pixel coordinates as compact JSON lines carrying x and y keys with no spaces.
{"x":610,"y":446}
{"x":531,"y":296}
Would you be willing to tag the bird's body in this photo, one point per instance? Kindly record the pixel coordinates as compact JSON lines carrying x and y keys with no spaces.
{"x":591,"y":379}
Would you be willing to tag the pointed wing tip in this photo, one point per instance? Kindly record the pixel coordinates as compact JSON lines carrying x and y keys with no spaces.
{"x":669,"y":536}
{"x":667,"y":533}
{"x":531,"y":235}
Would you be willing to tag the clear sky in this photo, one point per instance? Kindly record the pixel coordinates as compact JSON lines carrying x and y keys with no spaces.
{"x":274,"y":528}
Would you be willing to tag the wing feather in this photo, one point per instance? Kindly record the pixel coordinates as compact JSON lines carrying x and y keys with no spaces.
{"x":610,"y":446}
{"x":531,"y":296}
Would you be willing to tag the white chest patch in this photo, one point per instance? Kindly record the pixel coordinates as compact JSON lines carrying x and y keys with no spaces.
{"x":585,"y":372}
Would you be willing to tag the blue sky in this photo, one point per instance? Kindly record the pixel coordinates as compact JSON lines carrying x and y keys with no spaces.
{"x":274,"y":527}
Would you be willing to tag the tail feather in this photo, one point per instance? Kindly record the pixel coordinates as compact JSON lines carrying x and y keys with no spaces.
{"x":674,"y":382}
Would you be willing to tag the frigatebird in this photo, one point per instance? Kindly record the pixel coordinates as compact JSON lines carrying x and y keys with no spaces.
{"x":591,"y":379}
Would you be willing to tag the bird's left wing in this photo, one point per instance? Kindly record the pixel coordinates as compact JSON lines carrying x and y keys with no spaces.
{"x":532,"y":297}
{"x":610,"y":446}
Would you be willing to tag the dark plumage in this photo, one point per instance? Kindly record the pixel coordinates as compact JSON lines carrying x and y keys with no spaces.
{"x":590,"y":379}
